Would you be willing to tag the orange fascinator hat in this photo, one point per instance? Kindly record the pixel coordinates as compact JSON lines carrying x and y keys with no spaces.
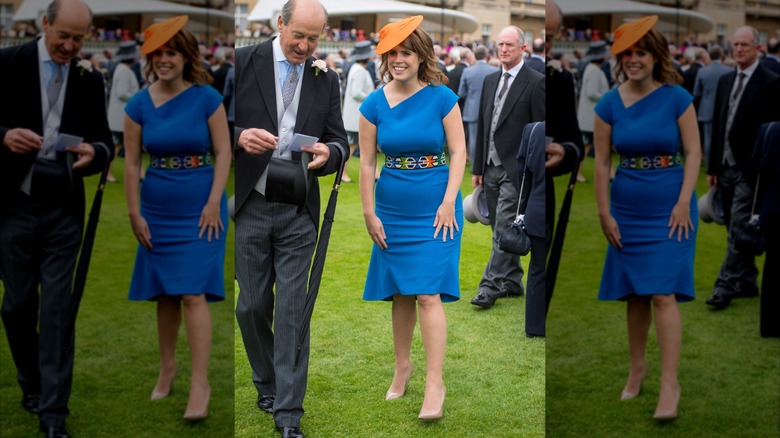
{"x":629,"y":33}
{"x":395,"y":33}
{"x":156,"y":35}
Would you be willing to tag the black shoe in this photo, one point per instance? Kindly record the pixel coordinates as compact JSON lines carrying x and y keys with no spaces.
{"x":291,"y":432}
{"x":749,"y":293}
{"x":55,"y":431}
{"x":719,"y":300}
{"x":30,"y":402}
{"x":508,"y":294}
{"x":483,"y":300}
{"x":530,"y":335}
{"x":266,"y":403}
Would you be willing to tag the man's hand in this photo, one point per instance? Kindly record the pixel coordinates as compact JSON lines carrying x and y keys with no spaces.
{"x":555,"y":153}
{"x":22,"y":141}
{"x":320,"y":153}
{"x":85,"y":152}
{"x":476,"y":180}
{"x":257,"y":141}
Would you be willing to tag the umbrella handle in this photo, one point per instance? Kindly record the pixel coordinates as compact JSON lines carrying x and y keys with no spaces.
{"x":340,"y":172}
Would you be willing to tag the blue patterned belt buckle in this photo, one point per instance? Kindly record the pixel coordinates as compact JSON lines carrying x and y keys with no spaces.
{"x":180,"y":162}
{"x":647,"y":162}
{"x":416,"y":162}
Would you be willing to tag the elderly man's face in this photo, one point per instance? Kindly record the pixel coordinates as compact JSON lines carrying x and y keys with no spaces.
{"x":65,"y":36}
{"x":299,"y":37}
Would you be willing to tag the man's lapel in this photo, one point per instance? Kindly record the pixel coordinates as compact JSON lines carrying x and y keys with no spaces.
{"x":263,"y":65}
{"x":490,"y":87}
{"x":513,"y":94}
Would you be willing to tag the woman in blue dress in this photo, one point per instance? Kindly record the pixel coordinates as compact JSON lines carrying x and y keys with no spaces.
{"x":414,"y":214}
{"x":181,"y":216}
{"x":647,"y":213}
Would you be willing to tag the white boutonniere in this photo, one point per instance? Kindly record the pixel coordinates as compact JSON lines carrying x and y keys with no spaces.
{"x":84,"y":65}
{"x":554,"y":66}
{"x":319,"y":65}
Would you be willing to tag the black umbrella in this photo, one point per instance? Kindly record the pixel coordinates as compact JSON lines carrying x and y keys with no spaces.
{"x":318,"y":263}
{"x":80,"y":277}
{"x":554,"y":260}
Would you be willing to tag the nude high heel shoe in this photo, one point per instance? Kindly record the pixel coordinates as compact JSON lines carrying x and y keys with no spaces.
{"x":396,"y":395}
{"x":629,"y":394}
{"x":434,"y":415}
{"x":668,"y":414}
{"x":160,"y":391}
{"x":198,"y":412}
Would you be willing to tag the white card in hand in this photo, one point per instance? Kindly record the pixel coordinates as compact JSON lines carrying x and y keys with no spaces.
{"x":301,"y":140}
{"x":65,"y":141}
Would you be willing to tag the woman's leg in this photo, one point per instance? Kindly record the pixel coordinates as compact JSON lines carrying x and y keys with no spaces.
{"x":638,"y":318}
{"x":344,"y":176}
{"x":433,"y":329}
{"x":168,"y":322}
{"x":668,"y":328}
{"x":404,"y":320}
{"x":197,"y":319}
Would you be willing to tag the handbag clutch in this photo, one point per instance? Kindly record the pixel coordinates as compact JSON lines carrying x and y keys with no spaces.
{"x":514,"y":239}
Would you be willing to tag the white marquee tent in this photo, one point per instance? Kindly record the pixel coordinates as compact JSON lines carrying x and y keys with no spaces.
{"x":386,"y":10}
{"x":152,"y":10}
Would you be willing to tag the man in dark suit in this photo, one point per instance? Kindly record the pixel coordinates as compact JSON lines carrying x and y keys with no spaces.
{"x":772,"y":59}
{"x":530,"y":162}
{"x":511,"y":98}
{"x":225,"y":57}
{"x":698,"y":58}
{"x":470,"y":92}
{"x":566,"y":148}
{"x":280,"y":92}
{"x":536,"y":61}
{"x":704,"y":90}
{"x":42,"y":213}
{"x":746,"y":98}
{"x":459,"y":56}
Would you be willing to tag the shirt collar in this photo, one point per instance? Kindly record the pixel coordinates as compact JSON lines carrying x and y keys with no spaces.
{"x":278,"y":54}
{"x":514,"y":70}
{"x":750,"y":70}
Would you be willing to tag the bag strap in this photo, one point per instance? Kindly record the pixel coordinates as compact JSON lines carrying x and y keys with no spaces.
{"x":758,"y":177}
{"x":522,"y":180}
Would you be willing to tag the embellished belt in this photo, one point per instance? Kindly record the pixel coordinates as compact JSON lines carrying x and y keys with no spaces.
{"x":646,"y":162}
{"x":178,"y":162}
{"x":415,"y":163}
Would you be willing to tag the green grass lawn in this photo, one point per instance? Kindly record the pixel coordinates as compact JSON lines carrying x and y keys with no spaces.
{"x":495,"y":376}
{"x":117,"y":359}
{"x":493,"y":373}
{"x":730,"y":376}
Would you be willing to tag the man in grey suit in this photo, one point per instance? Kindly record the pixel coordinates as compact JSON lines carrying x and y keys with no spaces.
{"x":42,"y":209}
{"x":511,"y":98}
{"x":470,"y":91}
{"x":279,"y":93}
{"x":746,"y":98}
{"x":704,"y":95}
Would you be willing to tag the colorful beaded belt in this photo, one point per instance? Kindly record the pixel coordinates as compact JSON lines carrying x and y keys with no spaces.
{"x":650,"y":161}
{"x":414,"y":163}
{"x":180,"y":162}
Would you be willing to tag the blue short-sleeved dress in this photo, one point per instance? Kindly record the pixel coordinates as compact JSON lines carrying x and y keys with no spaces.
{"x":650,"y":263}
{"x":406,"y":201}
{"x":179,"y":262}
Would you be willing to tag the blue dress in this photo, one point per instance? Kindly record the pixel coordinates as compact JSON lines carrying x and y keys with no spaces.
{"x":179,"y":263}
{"x":650,"y":263}
{"x":406,"y":201}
